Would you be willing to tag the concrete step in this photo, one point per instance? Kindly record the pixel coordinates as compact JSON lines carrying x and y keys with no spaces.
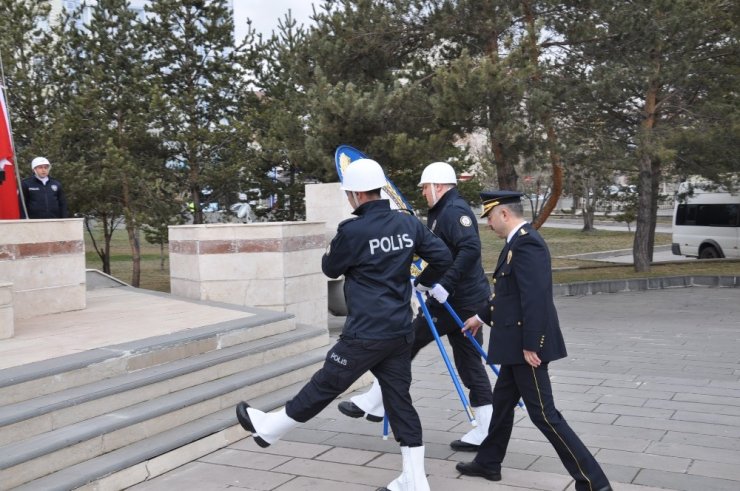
{"x":45,"y":377}
{"x":52,"y":451}
{"x":31,"y":417}
{"x":160,"y":453}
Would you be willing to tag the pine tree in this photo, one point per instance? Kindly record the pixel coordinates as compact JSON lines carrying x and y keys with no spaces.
{"x":199,"y":108}
{"x":25,"y":57}
{"x":102,"y":130}
{"x":654,"y":70}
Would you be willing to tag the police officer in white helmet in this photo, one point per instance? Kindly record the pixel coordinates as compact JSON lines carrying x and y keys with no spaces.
{"x":374,"y":252}
{"x":464,"y":286}
{"x":42,"y":194}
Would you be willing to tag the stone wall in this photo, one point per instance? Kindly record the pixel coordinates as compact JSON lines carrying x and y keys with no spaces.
{"x":270,"y":265}
{"x":45,"y":262}
{"x":7,"y":322}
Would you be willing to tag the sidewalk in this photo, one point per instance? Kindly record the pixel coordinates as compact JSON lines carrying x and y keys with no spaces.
{"x":652,"y":386}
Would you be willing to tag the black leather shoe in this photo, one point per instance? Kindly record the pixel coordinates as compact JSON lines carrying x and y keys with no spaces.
{"x":382,"y":489}
{"x":349,"y":408}
{"x":474,"y":469}
{"x":605,"y":488}
{"x":243,"y":416}
{"x":461,"y":446}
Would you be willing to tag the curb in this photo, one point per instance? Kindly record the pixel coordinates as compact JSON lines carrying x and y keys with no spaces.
{"x":643,"y":284}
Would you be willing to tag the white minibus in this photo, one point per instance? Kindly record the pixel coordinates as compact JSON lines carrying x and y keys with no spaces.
{"x":706,"y":224}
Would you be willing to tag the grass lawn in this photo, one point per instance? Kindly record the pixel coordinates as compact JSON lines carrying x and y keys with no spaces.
{"x":562,"y":242}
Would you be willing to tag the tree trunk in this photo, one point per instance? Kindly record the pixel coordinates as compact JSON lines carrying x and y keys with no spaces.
{"x":161,"y":256}
{"x":649,"y":166}
{"x":552,"y":138}
{"x":133,"y":240}
{"x":588,"y":217}
{"x":505,"y":171}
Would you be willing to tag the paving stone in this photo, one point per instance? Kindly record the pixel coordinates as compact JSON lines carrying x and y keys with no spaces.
{"x":355,"y":474}
{"x":716,"y":469}
{"x":615,"y":473}
{"x":694,"y":452}
{"x":348,"y":456}
{"x":694,"y":406}
{"x":285,"y":448}
{"x":642,"y":460}
{"x":203,"y":476}
{"x":314,"y":484}
{"x":683,"y":482}
{"x":305,"y":435}
{"x":623,"y":410}
{"x":655,"y":423}
{"x":709,"y":441}
{"x":242,"y":458}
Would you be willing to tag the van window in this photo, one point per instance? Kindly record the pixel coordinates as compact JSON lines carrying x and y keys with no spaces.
{"x":709,"y":215}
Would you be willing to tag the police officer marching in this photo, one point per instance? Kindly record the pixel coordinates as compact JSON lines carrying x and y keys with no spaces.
{"x":464,"y":286}
{"x":525,"y":338}
{"x":374,"y":251}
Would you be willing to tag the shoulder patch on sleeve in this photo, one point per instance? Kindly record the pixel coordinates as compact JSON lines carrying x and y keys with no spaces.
{"x":465,"y":221}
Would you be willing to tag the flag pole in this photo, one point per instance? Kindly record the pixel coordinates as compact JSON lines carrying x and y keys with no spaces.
{"x":12,"y":141}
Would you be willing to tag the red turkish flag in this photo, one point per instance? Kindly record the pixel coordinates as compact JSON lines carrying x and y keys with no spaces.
{"x":9,"y":186}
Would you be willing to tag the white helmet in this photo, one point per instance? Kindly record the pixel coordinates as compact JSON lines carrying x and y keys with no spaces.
{"x":438,"y":173}
{"x":39,"y":161}
{"x":363,"y":175}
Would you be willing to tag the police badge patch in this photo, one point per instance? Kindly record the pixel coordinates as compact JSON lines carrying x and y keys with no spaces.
{"x":465,"y":221}
{"x":54,"y":187}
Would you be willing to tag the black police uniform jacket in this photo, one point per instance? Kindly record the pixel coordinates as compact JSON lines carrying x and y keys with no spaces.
{"x":43,"y":200}
{"x":452,"y":220}
{"x":521,"y":310}
{"x":374,"y":252}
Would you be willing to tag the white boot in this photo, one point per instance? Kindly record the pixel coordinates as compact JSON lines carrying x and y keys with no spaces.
{"x":413,"y":477}
{"x":267,"y":428}
{"x":480,"y":431}
{"x":371,"y":401}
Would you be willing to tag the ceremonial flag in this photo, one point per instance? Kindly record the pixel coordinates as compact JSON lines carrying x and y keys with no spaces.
{"x":8,"y":184}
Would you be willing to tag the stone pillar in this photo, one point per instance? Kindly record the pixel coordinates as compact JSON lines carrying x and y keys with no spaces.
{"x":326,"y":202}
{"x":45,"y":261}
{"x":7,"y":322}
{"x":270,"y":265}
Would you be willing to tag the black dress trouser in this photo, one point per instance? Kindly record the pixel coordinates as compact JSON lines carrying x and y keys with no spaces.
{"x":533,"y":386}
{"x":345,"y":362}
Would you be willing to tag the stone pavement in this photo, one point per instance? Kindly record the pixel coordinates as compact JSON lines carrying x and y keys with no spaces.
{"x":652,"y":386}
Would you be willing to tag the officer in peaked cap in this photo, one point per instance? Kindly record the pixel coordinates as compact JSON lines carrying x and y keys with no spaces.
{"x":492,"y":199}
{"x":525,"y":337}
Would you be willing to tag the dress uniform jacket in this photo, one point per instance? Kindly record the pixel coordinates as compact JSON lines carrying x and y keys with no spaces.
{"x":452,"y":220}
{"x":521,"y":310}
{"x":43,"y":200}
{"x":374,"y":252}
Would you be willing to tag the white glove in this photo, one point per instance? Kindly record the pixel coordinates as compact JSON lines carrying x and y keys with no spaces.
{"x":420,"y":288}
{"x":439,"y":293}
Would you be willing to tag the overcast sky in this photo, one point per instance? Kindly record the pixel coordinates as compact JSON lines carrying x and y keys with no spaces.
{"x":265,"y":14}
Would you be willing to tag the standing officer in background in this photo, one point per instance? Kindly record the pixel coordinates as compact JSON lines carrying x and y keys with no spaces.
{"x":43,"y":195}
{"x":464,"y":286}
{"x":525,"y":337}
{"x":374,"y":252}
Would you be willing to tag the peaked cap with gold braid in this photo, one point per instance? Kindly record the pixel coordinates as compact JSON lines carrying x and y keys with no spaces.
{"x":491,"y":199}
